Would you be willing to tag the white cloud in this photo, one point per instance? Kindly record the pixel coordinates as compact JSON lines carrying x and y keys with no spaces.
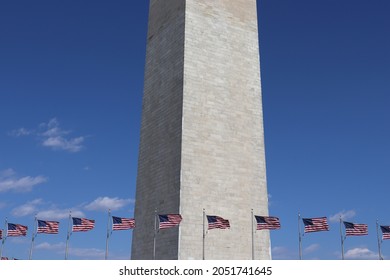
{"x":52,"y":128}
{"x":51,"y":135}
{"x":60,"y":143}
{"x":361,"y":254}
{"x":50,"y":247}
{"x":27,"y":209}
{"x":282,"y":253}
{"x":269,"y":200}
{"x":105,"y":203}
{"x":312,"y":248}
{"x":39,"y":208}
{"x":87,"y":252}
{"x":58,"y":214}
{"x":21,"y":240}
{"x":7,"y":173}
{"x":20,"y":132}
{"x":10,"y":182}
{"x":345,"y":215}
{"x":78,"y":252}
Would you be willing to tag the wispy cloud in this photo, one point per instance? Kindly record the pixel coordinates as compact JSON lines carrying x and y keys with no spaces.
{"x":105,"y":203}
{"x":87,"y":252}
{"x":361,"y":254}
{"x":44,"y":211}
{"x":312,"y":248}
{"x":52,"y":136}
{"x":20,"y":132}
{"x":269,"y":200}
{"x":9,"y":181}
{"x":344,"y":214}
{"x":27,"y":208}
{"x":50,"y":247}
{"x":283,"y":253}
{"x":7,"y":173}
{"x":78,"y":252}
{"x":59,"y":214}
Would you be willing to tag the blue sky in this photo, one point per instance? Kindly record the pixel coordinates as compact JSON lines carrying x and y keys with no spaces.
{"x":71,"y":81}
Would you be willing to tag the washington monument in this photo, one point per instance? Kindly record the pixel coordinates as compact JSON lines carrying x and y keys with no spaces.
{"x":202,"y":140}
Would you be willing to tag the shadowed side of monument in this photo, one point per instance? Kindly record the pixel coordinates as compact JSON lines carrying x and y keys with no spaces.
{"x":158,"y":178}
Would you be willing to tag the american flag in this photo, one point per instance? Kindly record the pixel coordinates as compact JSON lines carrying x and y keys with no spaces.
{"x":16,"y":230}
{"x":315,"y":224}
{"x":169,"y":220}
{"x":217,"y":222}
{"x":267,"y":222}
{"x":352,"y":229}
{"x":49,"y":227}
{"x":385,"y":232}
{"x":122,"y":223}
{"x":81,"y":224}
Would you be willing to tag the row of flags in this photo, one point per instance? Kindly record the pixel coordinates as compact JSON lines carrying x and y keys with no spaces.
{"x":166,"y":221}
{"x":118,"y":223}
{"x":351,"y":229}
{"x":172,"y":220}
{"x":78,"y":224}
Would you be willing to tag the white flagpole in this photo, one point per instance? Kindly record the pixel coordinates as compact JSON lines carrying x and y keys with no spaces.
{"x":68,"y":236}
{"x":5,"y":234}
{"x":204,"y":233}
{"x":155,"y":233}
{"x":253,"y":237}
{"x":300,"y":236}
{"x":379,"y":241}
{"x":108,"y":234}
{"x":34,"y":234}
{"x":342,"y":239}
{"x":130,"y":243}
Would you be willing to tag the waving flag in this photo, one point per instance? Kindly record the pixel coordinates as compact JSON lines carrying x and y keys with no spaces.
{"x":217,"y":222}
{"x":49,"y":227}
{"x":81,"y":224}
{"x":122,"y":223}
{"x":264,"y":222}
{"x":315,"y":224}
{"x":169,"y":220}
{"x":352,"y":229}
{"x":385,"y":232}
{"x":17,"y":230}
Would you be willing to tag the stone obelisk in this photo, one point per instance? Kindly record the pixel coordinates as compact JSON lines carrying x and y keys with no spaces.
{"x":202,"y":140}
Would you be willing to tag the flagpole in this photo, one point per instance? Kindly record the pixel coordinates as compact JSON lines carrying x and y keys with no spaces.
{"x":68,"y":236}
{"x":108,"y":234}
{"x":131,"y":243}
{"x":155,"y":233}
{"x":342,"y":239}
{"x":300,"y":236}
{"x":34,"y":234}
{"x":204,"y":233}
{"x":4,"y":237}
{"x":253,"y":237}
{"x":379,"y":241}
